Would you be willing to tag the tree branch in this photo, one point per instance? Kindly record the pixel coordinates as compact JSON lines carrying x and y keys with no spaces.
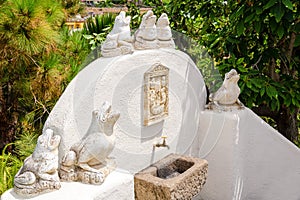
{"x":291,"y":47}
{"x":264,"y":111}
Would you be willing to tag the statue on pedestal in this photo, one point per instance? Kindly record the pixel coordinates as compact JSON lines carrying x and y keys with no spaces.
{"x":88,"y":161}
{"x":39,"y":173}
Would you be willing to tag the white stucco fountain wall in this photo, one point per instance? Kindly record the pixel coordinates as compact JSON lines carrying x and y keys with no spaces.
{"x":247,"y":158}
{"x":120,"y":80}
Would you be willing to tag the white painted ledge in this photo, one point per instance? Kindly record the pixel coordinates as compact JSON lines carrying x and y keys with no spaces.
{"x":247,"y":159}
{"x":118,"y":185}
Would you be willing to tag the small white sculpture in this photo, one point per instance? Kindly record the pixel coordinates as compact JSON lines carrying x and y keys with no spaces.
{"x":119,"y":40}
{"x":146,"y":35}
{"x":39,"y":173}
{"x":227,"y":95}
{"x":88,"y":160}
{"x":164,"y":33}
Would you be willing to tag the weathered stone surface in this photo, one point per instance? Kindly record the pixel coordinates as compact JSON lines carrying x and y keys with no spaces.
{"x":87,"y":161}
{"x":39,"y":172}
{"x":173,"y":177}
{"x":164,"y":33}
{"x":156,"y":94}
{"x":146,"y":35}
{"x":226,"y":97}
{"x":119,"y":40}
{"x":117,"y":186}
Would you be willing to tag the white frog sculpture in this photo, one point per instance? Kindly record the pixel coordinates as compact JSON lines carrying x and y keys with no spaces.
{"x":164,"y":33}
{"x":88,"y":161}
{"x":39,"y":173}
{"x":226,"y":97}
{"x":119,"y":40}
{"x":146,"y":35}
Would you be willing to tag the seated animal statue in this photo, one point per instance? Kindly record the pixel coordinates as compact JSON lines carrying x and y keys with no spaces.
{"x":164,"y":33}
{"x":226,"y":97}
{"x":146,"y":35}
{"x":39,"y":173}
{"x":88,"y":161}
{"x":119,"y":40}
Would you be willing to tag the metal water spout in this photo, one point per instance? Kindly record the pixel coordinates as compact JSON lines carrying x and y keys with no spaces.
{"x":163,"y":144}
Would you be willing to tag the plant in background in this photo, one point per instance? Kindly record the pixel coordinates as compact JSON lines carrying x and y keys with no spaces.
{"x":95,"y":39}
{"x":27,"y":32}
{"x":96,"y":29}
{"x":73,"y":50}
{"x":134,"y":12}
{"x":9,"y":166}
{"x":261,"y":39}
{"x":72,"y":7}
{"x":104,"y":3}
{"x":38,"y":58}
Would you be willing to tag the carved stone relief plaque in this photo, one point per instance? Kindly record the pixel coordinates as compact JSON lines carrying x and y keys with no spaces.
{"x":156,"y":94}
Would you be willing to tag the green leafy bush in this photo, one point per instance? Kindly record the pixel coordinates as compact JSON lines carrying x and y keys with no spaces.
{"x":9,"y":166}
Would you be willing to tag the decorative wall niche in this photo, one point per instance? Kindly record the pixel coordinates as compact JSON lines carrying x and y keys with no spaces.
{"x":156,"y":94}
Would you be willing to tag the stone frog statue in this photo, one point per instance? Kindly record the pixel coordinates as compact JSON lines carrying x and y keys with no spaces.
{"x":164,"y":33}
{"x":88,"y":161}
{"x":119,"y":40}
{"x":226,"y":97}
{"x":146,"y":35}
{"x":39,"y":173}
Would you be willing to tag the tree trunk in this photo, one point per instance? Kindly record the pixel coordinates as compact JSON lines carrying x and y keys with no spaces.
{"x":8,"y":123}
{"x":287,"y":123}
{"x":286,"y":120}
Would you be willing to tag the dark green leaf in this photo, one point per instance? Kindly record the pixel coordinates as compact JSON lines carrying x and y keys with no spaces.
{"x":240,"y":28}
{"x":242,"y":86}
{"x":271,"y":91}
{"x":250,"y":17}
{"x":280,"y":31}
{"x":297,"y":41}
{"x":270,"y":4}
{"x":240,"y":61}
{"x":262,"y":91}
{"x":214,"y":43}
{"x":273,"y":25}
{"x":241,"y":68}
{"x":258,"y":10}
{"x":294,"y":101}
{"x":248,"y":83}
{"x":274,"y":105}
{"x":288,"y":4}
{"x":232,"y":40}
{"x":297,"y":27}
{"x":257,"y":82}
{"x":238,"y":12}
{"x":257,"y":26}
{"x":278,"y":12}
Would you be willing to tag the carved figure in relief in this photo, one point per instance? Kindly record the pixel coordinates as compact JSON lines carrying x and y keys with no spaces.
{"x":88,"y":161}
{"x":164,"y":33}
{"x":156,"y":94}
{"x":227,"y":95}
{"x":39,"y":173}
{"x":146,"y":35}
{"x":119,"y":40}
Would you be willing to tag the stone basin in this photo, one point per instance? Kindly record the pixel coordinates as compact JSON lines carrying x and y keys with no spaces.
{"x":173,"y":177}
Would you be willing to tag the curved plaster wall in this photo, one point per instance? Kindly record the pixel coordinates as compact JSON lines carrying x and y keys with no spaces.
{"x":119,"y":81}
{"x":247,"y":158}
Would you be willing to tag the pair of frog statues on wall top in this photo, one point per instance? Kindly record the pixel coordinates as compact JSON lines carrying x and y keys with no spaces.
{"x":151,"y":34}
